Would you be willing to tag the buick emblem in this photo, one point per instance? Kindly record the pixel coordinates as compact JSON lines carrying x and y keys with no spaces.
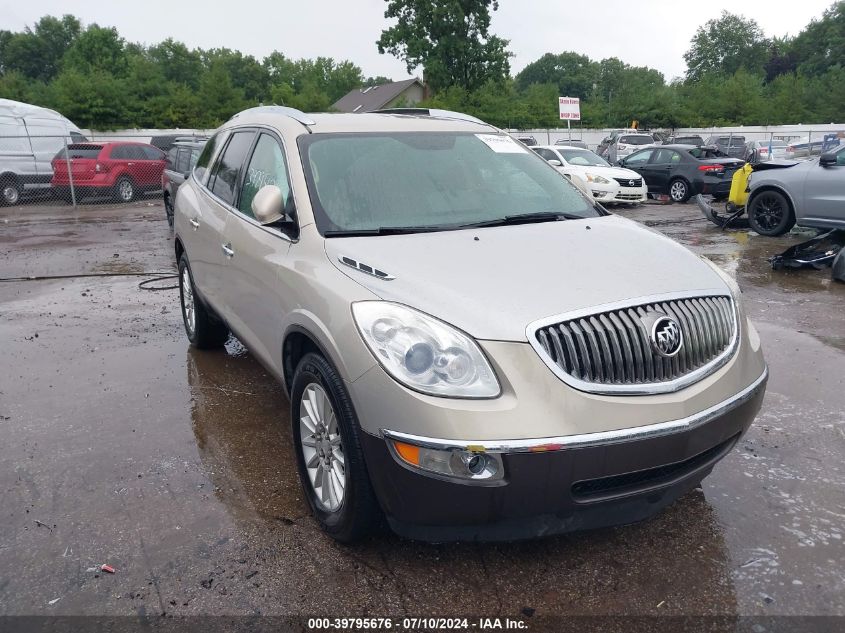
{"x":666,"y":337}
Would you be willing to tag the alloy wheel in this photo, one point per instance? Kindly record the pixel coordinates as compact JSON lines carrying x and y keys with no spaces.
{"x":678,"y":191}
{"x":321,"y":447}
{"x":188,"y":301}
{"x":11,"y":194}
{"x":768,"y":211}
{"x":124,"y":190}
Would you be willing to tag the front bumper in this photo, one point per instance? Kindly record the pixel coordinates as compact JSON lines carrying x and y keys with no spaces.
{"x":614,"y":193}
{"x":560,"y":484}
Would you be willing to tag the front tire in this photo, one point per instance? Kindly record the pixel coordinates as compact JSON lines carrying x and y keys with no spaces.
{"x":204,"y":329}
{"x":679,"y":190}
{"x":124,"y":190}
{"x":329,"y":457}
{"x":769,"y":214}
{"x":11,"y":191}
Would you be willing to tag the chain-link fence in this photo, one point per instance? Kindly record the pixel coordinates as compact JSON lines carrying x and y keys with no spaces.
{"x":78,"y":169}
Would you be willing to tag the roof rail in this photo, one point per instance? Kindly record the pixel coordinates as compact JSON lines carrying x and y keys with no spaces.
{"x":432,"y":112}
{"x":293,"y":113}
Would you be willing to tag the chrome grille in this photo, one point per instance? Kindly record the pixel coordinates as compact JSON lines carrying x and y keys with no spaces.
{"x":612,"y":351}
{"x":626,"y":182}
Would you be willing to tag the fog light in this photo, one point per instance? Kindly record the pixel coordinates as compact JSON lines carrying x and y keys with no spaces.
{"x":452,"y":463}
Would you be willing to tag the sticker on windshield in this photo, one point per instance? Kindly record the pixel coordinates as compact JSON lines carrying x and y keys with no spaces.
{"x":501,"y":144}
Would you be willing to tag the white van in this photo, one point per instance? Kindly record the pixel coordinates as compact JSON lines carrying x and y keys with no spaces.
{"x":30,"y":137}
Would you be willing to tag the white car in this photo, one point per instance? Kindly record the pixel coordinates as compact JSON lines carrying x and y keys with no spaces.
{"x":584,"y":167}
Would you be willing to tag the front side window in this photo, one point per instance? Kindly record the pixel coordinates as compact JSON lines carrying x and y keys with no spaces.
{"x":433,"y":180}
{"x":224,"y":178}
{"x":640,"y":158}
{"x":266,"y":167}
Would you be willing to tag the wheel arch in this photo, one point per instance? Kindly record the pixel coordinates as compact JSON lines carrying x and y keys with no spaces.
{"x":10,"y":176}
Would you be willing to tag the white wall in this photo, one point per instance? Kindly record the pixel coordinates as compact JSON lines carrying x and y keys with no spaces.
{"x":759,"y":132}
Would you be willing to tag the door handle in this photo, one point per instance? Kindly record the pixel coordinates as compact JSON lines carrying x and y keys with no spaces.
{"x":130,"y":164}
{"x":194,"y":223}
{"x":227,"y":250}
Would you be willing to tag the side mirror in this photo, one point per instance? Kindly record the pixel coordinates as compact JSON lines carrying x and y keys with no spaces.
{"x":827,"y":159}
{"x":554,"y":162}
{"x":267,"y":205}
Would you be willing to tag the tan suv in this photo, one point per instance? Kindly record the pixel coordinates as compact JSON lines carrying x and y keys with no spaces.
{"x":471,"y":347}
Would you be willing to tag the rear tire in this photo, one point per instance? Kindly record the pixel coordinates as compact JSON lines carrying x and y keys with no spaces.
{"x":679,"y":190}
{"x":11,"y":192}
{"x":124,"y":189}
{"x":204,"y":329}
{"x":329,"y":457}
{"x":769,"y":214}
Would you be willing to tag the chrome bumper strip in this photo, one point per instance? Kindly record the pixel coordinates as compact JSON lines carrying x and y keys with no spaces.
{"x":587,"y":439}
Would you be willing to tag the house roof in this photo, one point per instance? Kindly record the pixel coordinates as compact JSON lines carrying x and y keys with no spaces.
{"x":374,"y":97}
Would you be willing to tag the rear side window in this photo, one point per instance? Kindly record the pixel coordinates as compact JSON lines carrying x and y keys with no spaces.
{"x":224,"y":179}
{"x":81,"y":151}
{"x":152,"y":153}
{"x":667,"y":156}
{"x":205,"y":157}
{"x":182,"y":161}
{"x":636,"y":140}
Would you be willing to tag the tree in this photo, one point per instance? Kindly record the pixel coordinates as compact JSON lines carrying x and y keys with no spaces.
{"x":725,"y":45}
{"x":37,"y":53}
{"x":822,"y":44}
{"x":450,"y":39}
{"x":97,"y":50}
{"x":179,"y":64}
{"x":573,"y":74}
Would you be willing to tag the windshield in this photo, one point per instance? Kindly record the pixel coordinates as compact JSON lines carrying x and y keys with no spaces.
{"x":583,"y":157}
{"x":80,"y":151}
{"x":372,"y":181}
{"x":636,"y":140}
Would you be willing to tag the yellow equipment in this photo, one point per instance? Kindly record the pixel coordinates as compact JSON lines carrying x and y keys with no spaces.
{"x":739,"y":186}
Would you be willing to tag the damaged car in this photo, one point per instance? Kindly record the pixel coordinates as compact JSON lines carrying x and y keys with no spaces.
{"x":424,"y":289}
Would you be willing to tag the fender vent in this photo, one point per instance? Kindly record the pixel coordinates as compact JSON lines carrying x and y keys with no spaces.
{"x":365,"y":268}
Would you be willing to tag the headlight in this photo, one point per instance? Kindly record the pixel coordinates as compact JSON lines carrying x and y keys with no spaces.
{"x":424,"y":353}
{"x":599,"y":180}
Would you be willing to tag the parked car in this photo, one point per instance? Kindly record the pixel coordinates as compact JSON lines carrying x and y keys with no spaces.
{"x":809,"y":193}
{"x":571,"y":143}
{"x":804,"y":148}
{"x":627,"y":144}
{"x":181,"y":160}
{"x":421,"y":287}
{"x":30,"y":136}
{"x":601,"y":149}
{"x":732,"y":145}
{"x":760,"y":151}
{"x":121,"y":169}
{"x":527,"y":140}
{"x":685,"y":139}
{"x":165,"y":142}
{"x":682,"y":171}
{"x":605,"y":183}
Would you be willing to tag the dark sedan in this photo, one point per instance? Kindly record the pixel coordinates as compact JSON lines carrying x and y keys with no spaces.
{"x":682,"y":171}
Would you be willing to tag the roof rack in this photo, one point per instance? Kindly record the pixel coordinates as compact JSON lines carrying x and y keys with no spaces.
{"x":293,"y":113}
{"x":431,"y":112}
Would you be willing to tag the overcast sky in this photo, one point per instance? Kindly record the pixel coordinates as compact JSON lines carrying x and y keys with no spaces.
{"x":651,"y":33}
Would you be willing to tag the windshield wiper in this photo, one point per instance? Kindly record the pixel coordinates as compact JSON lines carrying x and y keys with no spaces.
{"x":385,"y":230}
{"x":524,"y":218}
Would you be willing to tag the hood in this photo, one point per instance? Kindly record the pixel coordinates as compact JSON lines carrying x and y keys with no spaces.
{"x":607,"y":172}
{"x":493,"y":282}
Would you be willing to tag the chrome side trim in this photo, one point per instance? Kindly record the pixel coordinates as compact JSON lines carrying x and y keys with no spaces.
{"x":365,"y":268}
{"x":641,"y":389}
{"x":547,"y":444}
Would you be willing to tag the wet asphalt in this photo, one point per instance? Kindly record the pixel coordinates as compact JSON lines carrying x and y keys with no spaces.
{"x":121,"y":445}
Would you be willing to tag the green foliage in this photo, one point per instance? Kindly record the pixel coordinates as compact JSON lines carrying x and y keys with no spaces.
{"x":821,"y":45}
{"x":573,"y":74}
{"x":450,"y":39}
{"x":725,"y":45}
